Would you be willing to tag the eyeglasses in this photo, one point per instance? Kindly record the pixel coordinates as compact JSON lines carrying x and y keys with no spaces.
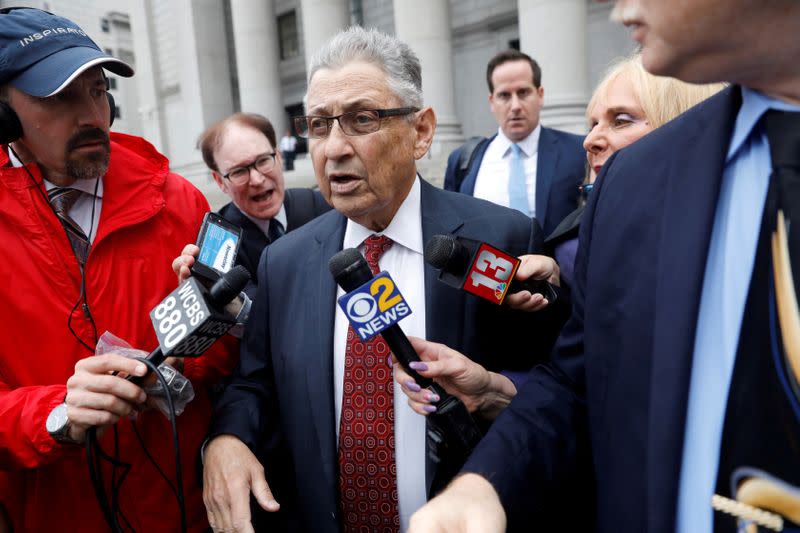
{"x":585,"y":189}
{"x":241,"y":175}
{"x":361,"y":122}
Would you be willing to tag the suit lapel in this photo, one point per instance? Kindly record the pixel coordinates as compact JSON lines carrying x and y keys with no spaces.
{"x":468,"y":185}
{"x":320,"y":340}
{"x":545,"y":170}
{"x":690,"y":203}
{"x":442,"y":303}
{"x":438,"y":217}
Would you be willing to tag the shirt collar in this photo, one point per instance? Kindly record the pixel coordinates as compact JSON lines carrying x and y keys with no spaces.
{"x":405,"y":228}
{"x":85,"y":186}
{"x":754,"y":105}
{"x":529,"y":145}
{"x":263,"y":223}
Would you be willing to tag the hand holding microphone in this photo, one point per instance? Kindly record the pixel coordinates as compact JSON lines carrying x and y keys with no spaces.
{"x":191,"y":318}
{"x":452,"y":432}
{"x":187,"y":323}
{"x":492,"y":274}
{"x":537,"y":269}
{"x":484,"y":393}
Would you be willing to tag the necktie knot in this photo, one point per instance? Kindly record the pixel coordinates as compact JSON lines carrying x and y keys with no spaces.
{"x":374,"y":247}
{"x":783,"y":131}
{"x":516,"y":151}
{"x":275,"y":230}
{"x":62,"y":199}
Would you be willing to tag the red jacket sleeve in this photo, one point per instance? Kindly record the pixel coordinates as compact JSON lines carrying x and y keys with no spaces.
{"x":24,"y":440}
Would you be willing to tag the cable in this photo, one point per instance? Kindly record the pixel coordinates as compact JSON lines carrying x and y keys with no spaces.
{"x":42,"y":189}
{"x":175,"y":442}
{"x":96,"y":476}
{"x":152,"y":459}
{"x":95,"y":453}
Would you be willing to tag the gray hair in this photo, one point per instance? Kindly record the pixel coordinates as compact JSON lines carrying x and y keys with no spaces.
{"x":390,"y":54}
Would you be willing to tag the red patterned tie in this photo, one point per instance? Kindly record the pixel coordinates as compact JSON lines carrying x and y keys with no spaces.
{"x":367,"y":468}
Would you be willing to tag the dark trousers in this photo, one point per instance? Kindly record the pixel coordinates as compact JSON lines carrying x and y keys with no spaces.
{"x":288,"y":160}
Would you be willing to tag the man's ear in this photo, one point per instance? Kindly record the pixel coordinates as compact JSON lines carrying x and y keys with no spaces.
{"x":222,"y":183}
{"x":424,"y":127}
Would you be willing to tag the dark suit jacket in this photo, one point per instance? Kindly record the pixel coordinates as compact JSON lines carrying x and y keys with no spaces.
{"x":285,"y":382}
{"x":301,"y":206}
{"x":609,"y":411}
{"x":560,"y":169}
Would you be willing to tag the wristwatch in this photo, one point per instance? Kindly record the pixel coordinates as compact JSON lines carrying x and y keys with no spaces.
{"x":58,"y":425}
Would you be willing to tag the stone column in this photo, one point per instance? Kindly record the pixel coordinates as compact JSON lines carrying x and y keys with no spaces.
{"x":255,"y":35}
{"x":147,"y":79}
{"x":425,"y":26}
{"x":322,"y":19}
{"x":553,"y":32}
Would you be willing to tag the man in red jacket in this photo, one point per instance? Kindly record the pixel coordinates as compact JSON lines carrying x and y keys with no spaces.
{"x":90,"y":221}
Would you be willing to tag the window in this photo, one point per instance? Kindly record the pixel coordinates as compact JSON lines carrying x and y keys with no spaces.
{"x":513,"y":44}
{"x":105,"y":25}
{"x":112,"y":83}
{"x":287,"y":34}
{"x":117,"y":112}
{"x":108,"y":51}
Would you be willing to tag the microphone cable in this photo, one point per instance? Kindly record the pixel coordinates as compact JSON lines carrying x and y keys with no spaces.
{"x":95,"y":454}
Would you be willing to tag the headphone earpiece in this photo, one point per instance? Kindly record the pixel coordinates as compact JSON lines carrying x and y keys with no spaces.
{"x":10,"y":127}
{"x":112,"y":106}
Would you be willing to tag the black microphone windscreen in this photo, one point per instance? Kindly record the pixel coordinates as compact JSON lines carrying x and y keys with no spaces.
{"x":349,"y":269}
{"x":439,"y":250}
{"x":447,"y":253}
{"x":229,"y":285}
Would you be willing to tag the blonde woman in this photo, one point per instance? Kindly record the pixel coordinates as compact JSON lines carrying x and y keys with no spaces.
{"x":627,"y":104}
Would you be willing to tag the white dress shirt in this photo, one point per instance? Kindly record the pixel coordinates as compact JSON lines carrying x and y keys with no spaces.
{"x":491,"y":183}
{"x":263,"y":223}
{"x":81,"y":210}
{"x":404,"y":262}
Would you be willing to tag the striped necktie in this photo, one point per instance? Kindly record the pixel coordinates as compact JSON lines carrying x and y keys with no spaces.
{"x":62,"y":199}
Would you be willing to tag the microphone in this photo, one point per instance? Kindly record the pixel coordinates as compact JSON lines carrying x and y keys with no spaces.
{"x":451,"y":432}
{"x":480,"y":269}
{"x":191,"y":318}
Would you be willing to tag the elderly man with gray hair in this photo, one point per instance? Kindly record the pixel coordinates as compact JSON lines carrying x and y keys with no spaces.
{"x":338,"y":446}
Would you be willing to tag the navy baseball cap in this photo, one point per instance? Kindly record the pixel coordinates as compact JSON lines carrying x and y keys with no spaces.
{"x":41,"y":53}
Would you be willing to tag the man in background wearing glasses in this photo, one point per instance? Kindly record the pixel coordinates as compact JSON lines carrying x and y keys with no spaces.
{"x":240,"y":152}
{"x":301,"y":372}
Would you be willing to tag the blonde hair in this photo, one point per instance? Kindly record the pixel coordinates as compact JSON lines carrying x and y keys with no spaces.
{"x":661,"y":98}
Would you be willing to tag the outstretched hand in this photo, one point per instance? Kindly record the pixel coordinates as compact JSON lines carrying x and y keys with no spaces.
{"x":481,"y":391}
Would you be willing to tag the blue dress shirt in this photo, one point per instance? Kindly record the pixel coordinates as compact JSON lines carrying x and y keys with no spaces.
{"x":725,"y":286}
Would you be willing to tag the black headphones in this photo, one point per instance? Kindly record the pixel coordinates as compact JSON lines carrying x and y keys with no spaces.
{"x":10,"y":126}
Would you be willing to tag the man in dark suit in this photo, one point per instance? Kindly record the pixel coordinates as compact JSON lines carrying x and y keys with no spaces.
{"x":240,"y":152}
{"x":525,"y":166}
{"x":301,"y":372}
{"x":652,"y":380}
